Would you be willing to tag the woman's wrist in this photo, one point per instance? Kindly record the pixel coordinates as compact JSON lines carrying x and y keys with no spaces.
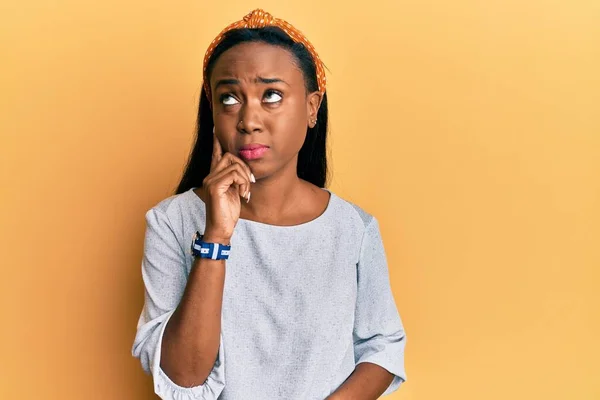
{"x":214,"y":238}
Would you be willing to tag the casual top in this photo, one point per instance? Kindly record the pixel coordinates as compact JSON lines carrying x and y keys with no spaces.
{"x":302,"y":304}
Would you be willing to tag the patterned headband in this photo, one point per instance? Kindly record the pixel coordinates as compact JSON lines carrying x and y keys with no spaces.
{"x":259,"y":19}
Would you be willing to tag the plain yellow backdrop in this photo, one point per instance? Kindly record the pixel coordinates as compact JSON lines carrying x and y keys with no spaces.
{"x":471,"y":129}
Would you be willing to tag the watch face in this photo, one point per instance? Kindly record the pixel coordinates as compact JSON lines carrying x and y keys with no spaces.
{"x":197,"y":236}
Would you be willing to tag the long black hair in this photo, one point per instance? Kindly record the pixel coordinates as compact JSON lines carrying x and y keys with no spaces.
{"x":312,"y":158}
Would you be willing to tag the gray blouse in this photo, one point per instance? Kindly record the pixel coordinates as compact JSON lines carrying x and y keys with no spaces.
{"x":302,"y":304}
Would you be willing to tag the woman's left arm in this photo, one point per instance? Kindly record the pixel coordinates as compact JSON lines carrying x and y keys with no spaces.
{"x":379,"y":336}
{"x":367,"y":381}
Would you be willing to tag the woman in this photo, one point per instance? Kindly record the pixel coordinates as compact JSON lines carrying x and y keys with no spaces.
{"x":260,"y":283}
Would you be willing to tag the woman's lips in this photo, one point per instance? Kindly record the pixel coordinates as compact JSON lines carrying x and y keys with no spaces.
{"x":253,"y":154}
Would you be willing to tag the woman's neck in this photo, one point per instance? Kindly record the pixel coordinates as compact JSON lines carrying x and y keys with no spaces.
{"x":273,"y":198}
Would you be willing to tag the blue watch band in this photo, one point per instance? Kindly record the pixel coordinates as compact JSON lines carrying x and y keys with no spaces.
{"x":214,"y":251}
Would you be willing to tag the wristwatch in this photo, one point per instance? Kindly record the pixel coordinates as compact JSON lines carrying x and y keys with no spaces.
{"x":214,"y":251}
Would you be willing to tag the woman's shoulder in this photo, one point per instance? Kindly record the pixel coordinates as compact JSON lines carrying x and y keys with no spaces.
{"x":349,"y":209}
{"x":175,"y":206}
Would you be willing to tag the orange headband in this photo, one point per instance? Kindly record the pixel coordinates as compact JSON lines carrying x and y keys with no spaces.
{"x":259,"y":19}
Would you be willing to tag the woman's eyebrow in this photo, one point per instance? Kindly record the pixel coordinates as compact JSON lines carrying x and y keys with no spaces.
{"x":226,"y":82}
{"x":270,"y":80}
{"x":260,"y":79}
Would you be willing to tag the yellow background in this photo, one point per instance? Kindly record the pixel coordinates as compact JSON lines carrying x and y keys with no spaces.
{"x":471,"y":129}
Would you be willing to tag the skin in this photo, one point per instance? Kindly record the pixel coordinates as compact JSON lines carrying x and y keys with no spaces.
{"x":368,"y":381}
{"x":276,"y":114}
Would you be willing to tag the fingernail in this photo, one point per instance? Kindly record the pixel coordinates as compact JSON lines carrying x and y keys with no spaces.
{"x":249,"y":193}
{"x":252,"y":178}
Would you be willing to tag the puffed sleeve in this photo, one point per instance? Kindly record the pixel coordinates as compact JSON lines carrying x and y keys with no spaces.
{"x":379,"y":336}
{"x":164,"y":276}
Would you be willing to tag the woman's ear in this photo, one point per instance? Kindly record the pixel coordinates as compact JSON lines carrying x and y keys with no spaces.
{"x":313,"y":103}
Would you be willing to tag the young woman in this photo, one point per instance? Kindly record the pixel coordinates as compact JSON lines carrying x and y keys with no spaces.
{"x":260,"y":282}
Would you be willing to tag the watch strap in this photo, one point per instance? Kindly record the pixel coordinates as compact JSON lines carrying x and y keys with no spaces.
{"x":214,"y":251}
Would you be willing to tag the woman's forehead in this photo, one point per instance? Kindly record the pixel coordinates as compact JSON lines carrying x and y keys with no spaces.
{"x":256,"y":59}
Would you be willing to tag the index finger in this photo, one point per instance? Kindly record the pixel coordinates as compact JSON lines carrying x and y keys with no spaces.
{"x":217,"y":152}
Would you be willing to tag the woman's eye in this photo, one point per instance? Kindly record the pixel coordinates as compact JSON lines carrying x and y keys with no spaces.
{"x":228,"y":100}
{"x":272,"y":97}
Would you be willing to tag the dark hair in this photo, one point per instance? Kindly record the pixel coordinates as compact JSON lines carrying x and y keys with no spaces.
{"x":312,"y":158}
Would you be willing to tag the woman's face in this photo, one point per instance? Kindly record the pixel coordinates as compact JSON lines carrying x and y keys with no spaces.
{"x":259,"y":97}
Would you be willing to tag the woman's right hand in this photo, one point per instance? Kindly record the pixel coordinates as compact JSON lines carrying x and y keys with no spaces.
{"x":226,"y":184}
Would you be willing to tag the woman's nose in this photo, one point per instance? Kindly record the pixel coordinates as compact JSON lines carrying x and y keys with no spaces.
{"x":250,"y":118}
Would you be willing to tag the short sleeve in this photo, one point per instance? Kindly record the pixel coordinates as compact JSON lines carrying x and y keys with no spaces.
{"x":165,"y":278}
{"x":379,"y":335}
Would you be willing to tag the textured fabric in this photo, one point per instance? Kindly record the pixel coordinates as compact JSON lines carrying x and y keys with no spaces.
{"x":259,"y":19}
{"x":302,"y":304}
